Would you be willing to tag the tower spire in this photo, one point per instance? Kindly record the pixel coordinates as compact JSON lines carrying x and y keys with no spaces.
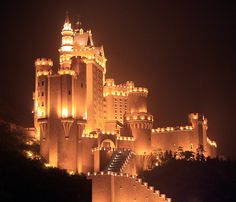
{"x":67,"y":20}
{"x":78,"y":24}
{"x":67,"y":24}
{"x":66,"y":43}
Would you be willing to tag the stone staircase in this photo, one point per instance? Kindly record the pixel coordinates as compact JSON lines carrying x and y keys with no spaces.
{"x":118,"y":160}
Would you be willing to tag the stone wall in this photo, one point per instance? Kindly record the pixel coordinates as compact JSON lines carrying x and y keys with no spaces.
{"x":113,"y":187}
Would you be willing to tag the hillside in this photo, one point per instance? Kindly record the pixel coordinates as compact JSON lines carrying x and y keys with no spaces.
{"x":26,"y":179}
{"x":195,"y":181}
{"x":23,"y":179}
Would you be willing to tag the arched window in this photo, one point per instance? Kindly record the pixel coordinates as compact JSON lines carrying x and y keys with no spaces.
{"x":107,"y":143}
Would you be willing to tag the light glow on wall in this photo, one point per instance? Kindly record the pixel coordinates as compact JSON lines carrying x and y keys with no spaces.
{"x":212,"y":143}
{"x":64,"y":113}
{"x":66,"y":48}
{"x":40,"y":112}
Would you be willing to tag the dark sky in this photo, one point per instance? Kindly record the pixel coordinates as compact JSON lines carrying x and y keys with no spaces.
{"x":182,"y":51}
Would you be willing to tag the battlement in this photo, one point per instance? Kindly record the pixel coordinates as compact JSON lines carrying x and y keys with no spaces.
{"x":43,"y":66}
{"x":43,"y":62}
{"x":198,"y":117}
{"x":112,"y":89}
{"x":170,"y":129}
{"x":66,"y":71}
{"x":91,"y":54}
{"x":138,"y":91}
{"x":139,"y":116}
{"x":123,"y":89}
{"x":110,"y":82}
{"x":115,"y":92}
{"x":123,"y":181}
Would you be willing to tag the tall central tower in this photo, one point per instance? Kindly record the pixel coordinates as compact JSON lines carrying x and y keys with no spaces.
{"x":79,"y":57}
{"x":70,"y":102}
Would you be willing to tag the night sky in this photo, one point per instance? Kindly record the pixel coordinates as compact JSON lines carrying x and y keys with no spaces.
{"x":182,"y":51}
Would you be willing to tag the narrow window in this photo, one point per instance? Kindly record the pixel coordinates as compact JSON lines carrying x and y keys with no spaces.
{"x":42,"y":93}
{"x":42,"y":83}
{"x":69,"y":92}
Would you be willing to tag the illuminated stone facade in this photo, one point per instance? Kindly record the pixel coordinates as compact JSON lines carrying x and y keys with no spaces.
{"x":87,"y":123}
{"x":113,"y":187}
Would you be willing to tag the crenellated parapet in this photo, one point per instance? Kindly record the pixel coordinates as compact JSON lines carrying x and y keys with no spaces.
{"x":125,"y":89}
{"x":139,"y":120}
{"x":171,"y":129}
{"x":197,"y":118}
{"x":139,"y":116}
{"x":110,"y":88}
{"x":138,"y":91}
{"x":43,"y":66}
{"x":90,"y":54}
{"x":66,"y":71}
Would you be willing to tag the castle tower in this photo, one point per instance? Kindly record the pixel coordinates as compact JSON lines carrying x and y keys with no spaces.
{"x":137,"y":98}
{"x":138,"y":120}
{"x":200,"y":126}
{"x":140,"y":124}
{"x":43,"y":69}
{"x":93,"y":62}
{"x":70,"y":103}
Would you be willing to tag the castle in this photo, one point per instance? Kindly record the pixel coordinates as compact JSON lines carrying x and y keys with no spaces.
{"x":88,"y":123}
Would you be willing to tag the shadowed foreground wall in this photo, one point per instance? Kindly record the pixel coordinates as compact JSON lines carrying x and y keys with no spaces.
{"x":111,"y":187}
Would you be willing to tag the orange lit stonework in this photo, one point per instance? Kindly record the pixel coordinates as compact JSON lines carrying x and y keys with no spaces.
{"x":88,"y":123}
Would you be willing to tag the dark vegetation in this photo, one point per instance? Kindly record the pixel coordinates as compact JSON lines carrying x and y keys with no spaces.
{"x":22,"y":179}
{"x":212,"y":180}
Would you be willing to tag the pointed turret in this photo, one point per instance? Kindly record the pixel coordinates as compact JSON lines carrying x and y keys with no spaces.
{"x":67,"y":24}
{"x":66,"y":43}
